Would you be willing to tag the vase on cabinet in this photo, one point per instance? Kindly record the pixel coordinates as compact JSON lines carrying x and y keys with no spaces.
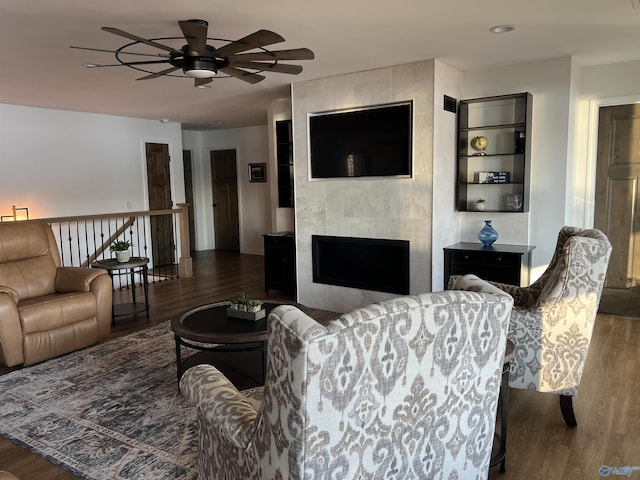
{"x":488,"y":234}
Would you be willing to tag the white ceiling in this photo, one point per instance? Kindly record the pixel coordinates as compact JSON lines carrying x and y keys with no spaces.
{"x":39,"y":69}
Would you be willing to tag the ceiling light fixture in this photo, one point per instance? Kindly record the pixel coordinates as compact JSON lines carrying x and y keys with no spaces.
{"x":165,"y":120}
{"x":200,"y":67}
{"x":502,"y":29}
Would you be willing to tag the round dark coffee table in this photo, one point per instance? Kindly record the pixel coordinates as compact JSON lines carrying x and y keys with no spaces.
{"x":208,"y":329}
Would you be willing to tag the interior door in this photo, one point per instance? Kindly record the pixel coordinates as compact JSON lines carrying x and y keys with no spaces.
{"x":616,"y":205}
{"x":159,"y":186}
{"x":224,"y":185}
{"x":188,"y":194}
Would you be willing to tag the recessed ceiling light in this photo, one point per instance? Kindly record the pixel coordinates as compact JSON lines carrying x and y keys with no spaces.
{"x":165,"y":120}
{"x":502,"y":29}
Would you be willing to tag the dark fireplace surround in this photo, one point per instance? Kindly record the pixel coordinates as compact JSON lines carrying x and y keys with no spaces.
{"x":376,"y":264}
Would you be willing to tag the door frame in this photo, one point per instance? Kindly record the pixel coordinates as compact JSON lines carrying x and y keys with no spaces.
{"x":172,"y":184}
{"x":239,"y":182}
{"x":143,"y":165}
{"x":592,"y":153}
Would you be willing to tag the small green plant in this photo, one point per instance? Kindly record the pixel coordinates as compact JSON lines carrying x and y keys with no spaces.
{"x":121,"y":246}
{"x":245,"y":303}
{"x":480,"y":200}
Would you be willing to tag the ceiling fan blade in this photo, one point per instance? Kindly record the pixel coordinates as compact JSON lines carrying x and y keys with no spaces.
{"x":159,"y":74}
{"x":121,"y":52}
{"x":254,"y":40}
{"x":148,"y":62}
{"x":200,"y":82}
{"x":270,"y":67}
{"x":242,"y":75}
{"x":293,"y":54}
{"x":195,"y":32}
{"x":131,"y":36}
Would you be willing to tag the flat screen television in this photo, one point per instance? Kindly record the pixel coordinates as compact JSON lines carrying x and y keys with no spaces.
{"x":367,"y":142}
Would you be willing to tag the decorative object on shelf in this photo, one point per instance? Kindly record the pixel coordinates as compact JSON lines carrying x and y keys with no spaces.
{"x":519,"y":141}
{"x":513,"y":201}
{"x":257,"y":172}
{"x":488,"y":234}
{"x":492,"y":177}
{"x":246,"y":307}
{"x":481,"y":203}
{"x":479,"y":144}
{"x":122,"y":249}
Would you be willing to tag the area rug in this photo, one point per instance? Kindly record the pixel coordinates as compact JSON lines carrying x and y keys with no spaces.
{"x":112,"y":411}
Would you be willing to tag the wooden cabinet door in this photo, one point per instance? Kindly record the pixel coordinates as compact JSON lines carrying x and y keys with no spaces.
{"x":224,"y":185}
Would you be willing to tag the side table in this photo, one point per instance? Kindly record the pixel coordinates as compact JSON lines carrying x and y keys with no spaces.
{"x":499,"y":453}
{"x":134,"y":265}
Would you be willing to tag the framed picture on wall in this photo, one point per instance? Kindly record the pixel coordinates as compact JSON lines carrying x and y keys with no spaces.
{"x":257,"y":172}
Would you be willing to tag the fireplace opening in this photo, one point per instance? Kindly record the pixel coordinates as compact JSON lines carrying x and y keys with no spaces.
{"x":368,"y":263}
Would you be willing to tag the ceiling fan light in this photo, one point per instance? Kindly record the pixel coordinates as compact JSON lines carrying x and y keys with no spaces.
{"x":200,"y":68}
{"x":199,"y":73}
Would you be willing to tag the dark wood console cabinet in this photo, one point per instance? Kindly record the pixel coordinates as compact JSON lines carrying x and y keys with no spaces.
{"x":501,"y":263}
{"x":280,"y":262}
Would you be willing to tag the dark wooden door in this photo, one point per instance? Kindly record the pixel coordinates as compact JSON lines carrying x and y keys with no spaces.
{"x":224,"y":185}
{"x":188,"y":193}
{"x":159,"y":186}
{"x":617,"y":203}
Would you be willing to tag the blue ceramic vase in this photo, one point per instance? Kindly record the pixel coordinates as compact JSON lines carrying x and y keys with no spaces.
{"x":488,"y":234}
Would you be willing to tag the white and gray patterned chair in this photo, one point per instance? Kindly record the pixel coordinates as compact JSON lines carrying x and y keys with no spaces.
{"x":403,"y":389}
{"x":552,"y":319}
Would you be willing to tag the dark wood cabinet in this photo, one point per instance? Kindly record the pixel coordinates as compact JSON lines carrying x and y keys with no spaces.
{"x":501,"y":263}
{"x":280,"y":262}
{"x":284,"y":154}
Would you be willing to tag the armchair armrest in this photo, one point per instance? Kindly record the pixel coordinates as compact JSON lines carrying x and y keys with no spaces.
{"x":522,"y":296}
{"x":473,"y":283}
{"x":220,"y":403}
{"x":12,"y":292}
{"x":11,"y":352}
{"x":76,"y":279}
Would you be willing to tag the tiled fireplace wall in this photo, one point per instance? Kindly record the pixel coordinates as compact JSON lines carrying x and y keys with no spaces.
{"x":390,"y":208}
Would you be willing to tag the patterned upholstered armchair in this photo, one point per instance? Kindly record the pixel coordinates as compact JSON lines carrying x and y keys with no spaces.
{"x":405,"y":388}
{"x":552,"y":319}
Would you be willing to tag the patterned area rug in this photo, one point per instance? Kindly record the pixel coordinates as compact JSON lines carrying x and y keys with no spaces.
{"x":112,"y":411}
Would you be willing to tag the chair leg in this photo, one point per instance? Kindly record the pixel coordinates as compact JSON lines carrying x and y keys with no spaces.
{"x":566,"y":407}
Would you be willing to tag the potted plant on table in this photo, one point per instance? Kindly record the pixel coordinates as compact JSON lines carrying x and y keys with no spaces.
{"x":246,"y":307}
{"x":122,"y":249}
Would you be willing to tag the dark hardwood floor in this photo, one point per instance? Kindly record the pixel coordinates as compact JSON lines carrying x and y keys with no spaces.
{"x":539,"y":445}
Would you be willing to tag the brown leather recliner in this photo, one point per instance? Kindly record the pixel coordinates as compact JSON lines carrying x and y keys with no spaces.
{"x":46,"y":310}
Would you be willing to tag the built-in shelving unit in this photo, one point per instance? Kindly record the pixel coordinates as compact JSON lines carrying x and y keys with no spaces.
{"x":284,"y":145}
{"x":500,"y":173}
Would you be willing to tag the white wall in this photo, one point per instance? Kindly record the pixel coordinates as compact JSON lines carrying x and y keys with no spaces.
{"x":550,"y":82}
{"x":446,"y":228}
{"x":252,"y":146}
{"x":60,"y":163}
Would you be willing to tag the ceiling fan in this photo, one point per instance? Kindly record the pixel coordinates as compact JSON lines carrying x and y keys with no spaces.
{"x":201,"y":61}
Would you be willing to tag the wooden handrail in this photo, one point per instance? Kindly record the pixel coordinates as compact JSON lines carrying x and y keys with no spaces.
{"x":98,"y":216}
{"x":184,"y":261}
